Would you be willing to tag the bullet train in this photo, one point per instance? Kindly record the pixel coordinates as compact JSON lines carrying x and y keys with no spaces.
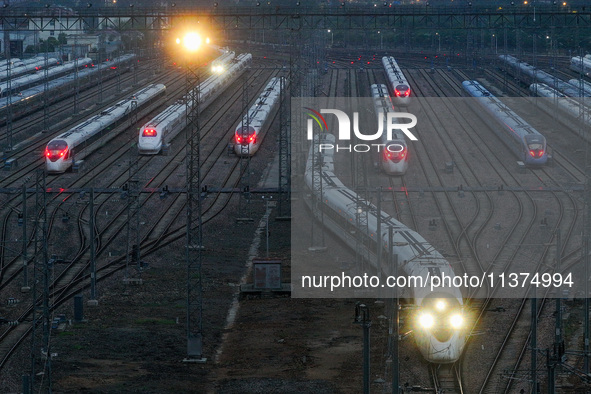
{"x":525,"y":141}
{"x":440,"y":316}
{"x":220,"y":64}
{"x":60,"y":151}
{"x":398,"y":84}
{"x":247,"y":137}
{"x":529,"y":74}
{"x":26,"y":81}
{"x":581,"y":65}
{"x":26,"y":66}
{"x":156,"y":134}
{"x":393,"y":158}
{"x":32,"y":98}
{"x":572,"y":108}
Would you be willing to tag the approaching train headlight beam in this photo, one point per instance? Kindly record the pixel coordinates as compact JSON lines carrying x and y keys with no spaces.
{"x":191,"y":41}
{"x":426,"y":320}
{"x":456,"y":321}
{"x":440,"y":305}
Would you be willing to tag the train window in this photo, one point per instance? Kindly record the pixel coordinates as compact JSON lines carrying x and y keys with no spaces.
{"x":535,"y":146}
{"x":57,"y":145}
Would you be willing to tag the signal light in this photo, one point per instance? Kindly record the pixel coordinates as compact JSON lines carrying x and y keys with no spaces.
{"x":149,"y":133}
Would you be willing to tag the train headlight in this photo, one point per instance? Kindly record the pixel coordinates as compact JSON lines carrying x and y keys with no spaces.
{"x":192,"y":41}
{"x":426,"y":320}
{"x":456,"y":321}
{"x":440,"y":305}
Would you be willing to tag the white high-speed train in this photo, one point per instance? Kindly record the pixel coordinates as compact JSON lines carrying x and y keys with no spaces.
{"x":393,"y":158}
{"x":247,"y":137}
{"x":398,"y":83}
{"x":440,"y":316}
{"x":220,"y":64}
{"x":26,"y":66}
{"x":60,"y":151}
{"x":157,"y":133}
{"x":525,"y":141}
{"x":30,"y":99}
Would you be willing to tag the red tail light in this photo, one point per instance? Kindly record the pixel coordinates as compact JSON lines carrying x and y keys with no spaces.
{"x":113,"y":67}
{"x":54,"y":155}
{"x":397,"y":92}
{"x":407,"y":93}
{"x":395,"y":156}
{"x":149,"y":133}
{"x":250,"y":139}
{"x":539,"y":153}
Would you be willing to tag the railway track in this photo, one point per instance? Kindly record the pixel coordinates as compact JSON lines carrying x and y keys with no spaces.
{"x":150,"y":240}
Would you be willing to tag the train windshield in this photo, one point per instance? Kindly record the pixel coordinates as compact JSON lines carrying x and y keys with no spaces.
{"x":402,"y":91}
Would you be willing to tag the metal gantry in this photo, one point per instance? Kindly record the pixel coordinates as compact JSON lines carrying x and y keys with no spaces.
{"x":348,"y":17}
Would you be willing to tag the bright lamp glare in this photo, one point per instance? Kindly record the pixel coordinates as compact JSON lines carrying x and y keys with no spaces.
{"x":192,"y":41}
{"x":456,"y":321}
{"x":426,"y":320}
{"x":178,"y":40}
{"x":207,"y":40}
{"x":440,"y":305}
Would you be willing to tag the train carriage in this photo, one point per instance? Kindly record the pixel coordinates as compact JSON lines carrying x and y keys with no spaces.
{"x":393,"y":158}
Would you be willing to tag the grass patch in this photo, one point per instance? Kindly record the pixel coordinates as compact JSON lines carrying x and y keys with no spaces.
{"x":66,"y":334}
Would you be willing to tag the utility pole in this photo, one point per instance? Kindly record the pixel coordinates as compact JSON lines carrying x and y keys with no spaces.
{"x":362,"y":318}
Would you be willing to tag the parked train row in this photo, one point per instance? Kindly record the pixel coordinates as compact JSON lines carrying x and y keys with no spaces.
{"x":440,"y":315}
{"x":31,"y":99}
{"x":26,"y":66}
{"x":247,"y":137}
{"x":525,"y":141}
{"x":26,"y":81}
{"x":60,"y":151}
{"x":529,"y":74}
{"x":157,"y":133}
